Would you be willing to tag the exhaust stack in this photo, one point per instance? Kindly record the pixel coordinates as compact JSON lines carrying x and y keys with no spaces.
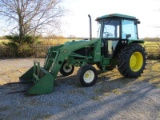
{"x":90,"y":27}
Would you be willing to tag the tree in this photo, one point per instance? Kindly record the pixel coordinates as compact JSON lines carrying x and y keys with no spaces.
{"x":32,"y":16}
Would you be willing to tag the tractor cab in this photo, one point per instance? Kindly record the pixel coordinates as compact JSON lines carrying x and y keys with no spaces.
{"x":116,"y":29}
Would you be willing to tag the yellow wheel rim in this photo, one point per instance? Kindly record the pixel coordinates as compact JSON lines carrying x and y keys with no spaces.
{"x":136,"y":61}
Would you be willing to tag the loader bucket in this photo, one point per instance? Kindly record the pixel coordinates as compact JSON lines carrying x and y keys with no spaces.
{"x":42,"y":82}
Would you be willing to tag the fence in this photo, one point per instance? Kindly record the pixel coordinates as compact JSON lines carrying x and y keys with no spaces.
{"x":41,"y":50}
{"x":153,"y":51}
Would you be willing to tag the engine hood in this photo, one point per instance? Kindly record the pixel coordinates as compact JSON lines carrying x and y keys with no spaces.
{"x":75,"y":45}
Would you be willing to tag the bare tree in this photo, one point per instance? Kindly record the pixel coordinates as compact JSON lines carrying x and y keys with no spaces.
{"x":32,"y":16}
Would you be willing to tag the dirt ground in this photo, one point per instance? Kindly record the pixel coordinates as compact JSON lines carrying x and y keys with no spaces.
{"x":113,"y":97}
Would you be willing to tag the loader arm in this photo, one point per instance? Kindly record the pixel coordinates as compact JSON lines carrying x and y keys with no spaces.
{"x":62,"y":54}
{"x":43,"y":78}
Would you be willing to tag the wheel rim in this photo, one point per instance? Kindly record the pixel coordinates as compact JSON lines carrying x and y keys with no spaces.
{"x":136,"y":61}
{"x":88,"y":76}
{"x":67,"y":68}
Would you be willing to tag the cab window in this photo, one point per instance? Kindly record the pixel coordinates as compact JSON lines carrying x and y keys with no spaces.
{"x":111,"y":29}
{"x":129,"y":28}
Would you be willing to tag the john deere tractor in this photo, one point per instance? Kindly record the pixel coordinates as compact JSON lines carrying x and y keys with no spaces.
{"x":117,"y":44}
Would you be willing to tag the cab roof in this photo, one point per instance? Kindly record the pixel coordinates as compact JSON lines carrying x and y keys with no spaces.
{"x":116,"y":15}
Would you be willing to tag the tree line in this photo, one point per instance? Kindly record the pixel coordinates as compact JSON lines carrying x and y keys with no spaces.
{"x":27,"y":20}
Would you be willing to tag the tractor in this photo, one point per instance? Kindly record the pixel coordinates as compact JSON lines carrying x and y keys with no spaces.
{"x":117,"y":44}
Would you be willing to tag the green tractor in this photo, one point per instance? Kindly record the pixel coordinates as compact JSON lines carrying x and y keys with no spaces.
{"x":117,"y":44}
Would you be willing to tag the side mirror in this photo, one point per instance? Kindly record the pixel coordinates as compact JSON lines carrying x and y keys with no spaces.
{"x":138,"y":22}
{"x":128,"y":35}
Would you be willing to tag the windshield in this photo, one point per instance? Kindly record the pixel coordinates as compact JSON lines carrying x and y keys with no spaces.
{"x":111,"y":29}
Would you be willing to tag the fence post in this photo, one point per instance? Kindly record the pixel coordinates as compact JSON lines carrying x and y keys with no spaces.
{"x":36,"y":50}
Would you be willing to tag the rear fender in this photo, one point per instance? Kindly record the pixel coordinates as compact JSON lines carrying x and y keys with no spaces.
{"x":135,"y":41}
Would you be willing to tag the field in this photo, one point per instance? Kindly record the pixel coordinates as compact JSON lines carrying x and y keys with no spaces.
{"x":3,"y":40}
{"x":152,"y":46}
{"x":62,"y":40}
{"x":112,"y":98}
{"x":46,"y":41}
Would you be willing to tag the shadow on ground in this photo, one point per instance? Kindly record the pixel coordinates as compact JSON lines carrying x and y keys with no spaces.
{"x":112,"y":97}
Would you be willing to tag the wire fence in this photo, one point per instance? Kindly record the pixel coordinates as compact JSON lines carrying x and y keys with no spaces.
{"x":41,"y":50}
{"x":153,"y":51}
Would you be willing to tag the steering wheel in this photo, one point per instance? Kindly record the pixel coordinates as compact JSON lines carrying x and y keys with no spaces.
{"x":107,"y":34}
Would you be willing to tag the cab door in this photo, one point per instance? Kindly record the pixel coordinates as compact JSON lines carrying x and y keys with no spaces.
{"x":110,"y":36}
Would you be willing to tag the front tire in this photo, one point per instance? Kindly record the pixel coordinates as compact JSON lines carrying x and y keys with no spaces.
{"x":132,"y":61}
{"x":87,"y":75}
{"x":66,"y":69}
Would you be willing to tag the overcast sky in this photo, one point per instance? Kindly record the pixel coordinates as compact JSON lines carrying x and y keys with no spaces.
{"x":76,"y":23}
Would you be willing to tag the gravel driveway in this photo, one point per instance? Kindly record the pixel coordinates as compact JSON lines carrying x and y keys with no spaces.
{"x":112,"y":98}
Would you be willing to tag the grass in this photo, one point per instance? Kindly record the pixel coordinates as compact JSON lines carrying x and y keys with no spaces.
{"x":3,"y":40}
{"x":153,"y":49}
{"x":53,"y":41}
{"x":151,"y":74}
{"x":156,"y":82}
{"x":47,"y":41}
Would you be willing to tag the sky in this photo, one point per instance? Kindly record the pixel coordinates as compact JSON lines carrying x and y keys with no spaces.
{"x":76,"y":21}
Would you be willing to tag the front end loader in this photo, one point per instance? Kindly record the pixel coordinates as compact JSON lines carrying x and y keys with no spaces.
{"x":117,"y":44}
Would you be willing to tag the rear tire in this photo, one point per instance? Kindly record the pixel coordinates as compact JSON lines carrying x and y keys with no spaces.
{"x":132,"y":61}
{"x":87,"y":75}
